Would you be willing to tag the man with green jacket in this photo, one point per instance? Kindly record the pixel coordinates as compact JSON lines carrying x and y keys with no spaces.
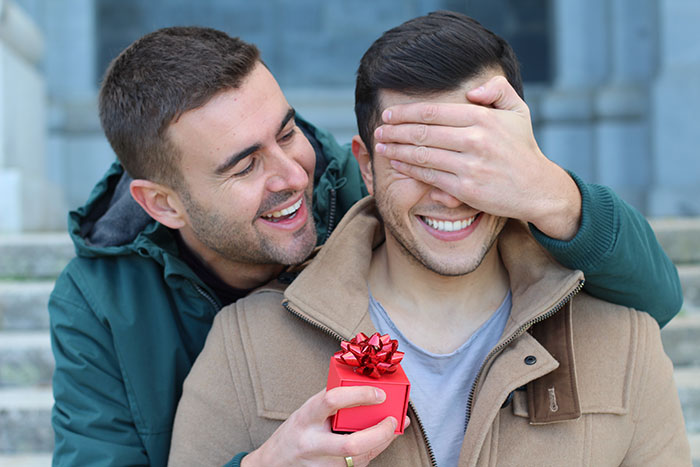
{"x":218,"y":188}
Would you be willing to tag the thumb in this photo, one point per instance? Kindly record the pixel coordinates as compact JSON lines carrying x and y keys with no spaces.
{"x":498,"y":93}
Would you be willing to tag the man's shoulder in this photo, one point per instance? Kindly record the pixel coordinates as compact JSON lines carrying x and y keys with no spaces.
{"x":605,"y":329}
{"x":94,"y":269}
{"x":106,"y":283}
{"x":611,"y":344}
{"x":605,"y":319}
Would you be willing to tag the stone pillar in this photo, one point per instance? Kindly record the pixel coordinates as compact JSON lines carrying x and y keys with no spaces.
{"x":623,"y":142}
{"x":28,"y":201}
{"x":675,"y":101}
{"x":566,"y":112}
{"x":78,"y":149}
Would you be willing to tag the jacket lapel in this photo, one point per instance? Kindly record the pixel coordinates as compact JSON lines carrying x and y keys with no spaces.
{"x":554,"y":396}
{"x":332,"y":290}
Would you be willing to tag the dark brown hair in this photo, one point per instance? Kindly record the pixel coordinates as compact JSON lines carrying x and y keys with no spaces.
{"x":429,"y":54}
{"x":155,"y":80}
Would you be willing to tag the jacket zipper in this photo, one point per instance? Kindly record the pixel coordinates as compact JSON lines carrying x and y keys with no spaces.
{"x":206,"y":295}
{"x":507,"y":342}
{"x":331,"y":214}
{"x":325,"y":329}
{"x":339,"y":338}
{"x":431,"y":454}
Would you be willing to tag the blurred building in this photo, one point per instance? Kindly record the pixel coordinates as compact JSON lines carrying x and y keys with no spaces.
{"x":614,"y":85}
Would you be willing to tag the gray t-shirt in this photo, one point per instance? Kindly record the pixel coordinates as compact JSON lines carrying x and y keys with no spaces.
{"x":441,"y":383}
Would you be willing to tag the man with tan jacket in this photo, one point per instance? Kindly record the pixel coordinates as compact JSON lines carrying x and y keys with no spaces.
{"x":510,"y":362}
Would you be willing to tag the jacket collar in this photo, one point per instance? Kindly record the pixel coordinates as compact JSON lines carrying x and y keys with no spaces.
{"x":340,"y":301}
{"x":540,"y":288}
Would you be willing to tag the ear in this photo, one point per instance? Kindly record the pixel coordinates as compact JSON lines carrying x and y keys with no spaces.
{"x":160,"y":202}
{"x":365,"y":161}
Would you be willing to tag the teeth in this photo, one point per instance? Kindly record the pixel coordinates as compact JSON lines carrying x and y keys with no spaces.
{"x":286,"y":211}
{"x":448,"y":226}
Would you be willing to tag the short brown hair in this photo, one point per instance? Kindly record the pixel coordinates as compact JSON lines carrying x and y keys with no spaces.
{"x":158,"y":78}
{"x":430,"y":54}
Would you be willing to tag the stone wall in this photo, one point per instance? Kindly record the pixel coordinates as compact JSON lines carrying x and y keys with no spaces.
{"x":29,"y":200}
{"x":616,"y":103}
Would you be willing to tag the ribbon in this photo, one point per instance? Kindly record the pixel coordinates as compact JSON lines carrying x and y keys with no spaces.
{"x":371,"y":356}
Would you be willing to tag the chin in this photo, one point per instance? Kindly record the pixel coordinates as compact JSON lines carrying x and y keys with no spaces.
{"x":450,"y":270}
{"x":300,"y":249}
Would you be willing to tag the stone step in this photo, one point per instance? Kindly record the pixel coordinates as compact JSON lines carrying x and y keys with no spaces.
{"x":690,"y":281}
{"x":25,"y":359}
{"x":34,"y":255}
{"x":681,"y":340}
{"x":694,"y":439}
{"x":25,"y":421}
{"x":679,"y":237}
{"x":24,"y":304}
{"x":688,"y":383}
{"x":26,"y":460}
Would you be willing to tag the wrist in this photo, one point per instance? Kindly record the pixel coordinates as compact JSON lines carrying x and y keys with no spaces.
{"x":250,"y":460}
{"x":560,"y":218}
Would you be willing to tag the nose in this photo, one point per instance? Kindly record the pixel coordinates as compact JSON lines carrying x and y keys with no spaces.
{"x":444,"y":198}
{"x":286,"y":173}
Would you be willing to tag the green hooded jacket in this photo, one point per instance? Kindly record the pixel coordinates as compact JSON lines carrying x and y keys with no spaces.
{"x":129,"y":317}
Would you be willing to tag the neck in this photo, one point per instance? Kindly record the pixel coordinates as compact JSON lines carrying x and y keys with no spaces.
{"x":435,"y":312}
{"x":238,"y":275}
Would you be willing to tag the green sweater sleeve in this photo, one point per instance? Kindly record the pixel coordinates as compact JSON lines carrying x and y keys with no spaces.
{"x":618,"y":253}
{"x":236,"y":461}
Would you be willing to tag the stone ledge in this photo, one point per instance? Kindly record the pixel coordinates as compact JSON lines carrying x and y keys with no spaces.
{"x":26,"y":460}
{"x":679,"y":237}
{"x":690,"y":282}
{"x":681,"y":340}
{"x":688,"y":383}
{"x":24,"y":305}
{"x":694,"y":439}
{"x":26,"y":359}
{"x":34,"y":255}
{"x":25,"y":421}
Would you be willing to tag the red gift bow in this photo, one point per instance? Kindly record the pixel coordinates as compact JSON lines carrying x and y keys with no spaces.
{"x":371,"y":356}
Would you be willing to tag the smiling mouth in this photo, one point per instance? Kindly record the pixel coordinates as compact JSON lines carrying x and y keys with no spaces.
{"x":284,"y":214}
{"x":449,"y":226}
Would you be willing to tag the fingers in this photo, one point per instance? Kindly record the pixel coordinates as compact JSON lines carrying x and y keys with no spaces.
{"x":364,"y":441}
{"x":365,"y":445}
{"x":433,"y":113}
{"x":423,"y":156}
{"x":325,"y":403}
{"x":305,"y":438}
{"x":450,"y":138}
{"x":445,"y":181}
{"x":379,"y":446}
{"x":497,"y":92}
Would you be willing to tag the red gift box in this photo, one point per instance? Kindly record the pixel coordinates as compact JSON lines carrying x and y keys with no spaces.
{"x":394,"y":383}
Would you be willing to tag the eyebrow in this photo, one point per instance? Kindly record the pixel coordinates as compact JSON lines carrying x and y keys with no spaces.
{"x":237,"y":157}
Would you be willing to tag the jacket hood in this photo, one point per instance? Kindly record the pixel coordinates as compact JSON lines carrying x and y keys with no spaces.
{"x":111,"y":222}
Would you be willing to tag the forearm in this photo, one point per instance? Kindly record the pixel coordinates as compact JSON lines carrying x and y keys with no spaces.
{"x":619,"y":255}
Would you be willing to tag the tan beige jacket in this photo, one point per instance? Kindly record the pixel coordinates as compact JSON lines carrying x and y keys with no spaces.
{"x":599,"y":393}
